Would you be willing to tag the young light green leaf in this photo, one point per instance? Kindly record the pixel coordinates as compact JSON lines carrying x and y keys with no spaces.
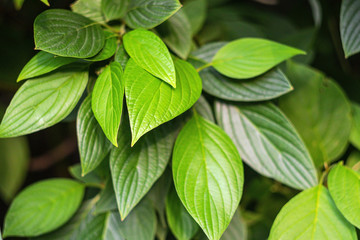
{"x":250,"y":57}
{"x":121,"y":56}
{"x":152,"y":102}
{"x":114,"y":9}
{"x":149,"y":52}
{"x":107,"y":199}
{"x":182,"y":225}
{"x":90,"y":9}
{"x":135,"y":169}
{"x":141,"y":223}
{"x":150,"y":13}
{"x":93,"y":145}
{"x":344,"y":187}
{"x":43,"y":207}
{"x":268,"y":142}
{"x":42,"y":102}
{"x":42,"y":63}
{"x":208,"y":175}
{"x":14,"y":160}
{"x":237,"y":228}
{"x":107,"y":100}
{"x":311,"y":215}
{"x":18,"y":4}
{"x":349,"y":26}
{"x":68,"y":34}
{"x":108,"y":50}
{"x":355,"y":130}
{"x":317,"y":107}
{"x":46,"y":2}
{"x":176,"y":33}
{"x":195,"y":10}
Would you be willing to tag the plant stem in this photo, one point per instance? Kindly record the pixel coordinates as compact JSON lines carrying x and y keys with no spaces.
{"x":204,"y":66}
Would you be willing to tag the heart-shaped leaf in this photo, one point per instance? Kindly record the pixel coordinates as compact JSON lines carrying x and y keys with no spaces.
{"x":149,"y":52}
{"x":107,"y":100}
{"x":250,"y":57}
{"x":114,"y":9}
{"x":344,"y":187}
{"x":208,"y":175}
{"x":135,"y":169}
{"x":152,"y":102}
{"x":93,"y":145}
{"x":268,"y":142}
{"x":355,"y":130}
{"x":349,"y":26}
{"x":150,"y":13}
{"x":309,"y":215}
{"x":67,"y":34}
{"x":42,"y":102}
{"x":43,"y":207}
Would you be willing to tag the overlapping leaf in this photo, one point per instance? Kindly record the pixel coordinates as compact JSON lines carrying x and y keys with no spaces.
{"x":355,"y":130}
{"x":208,"y":175}
{"x":90,"y":9}
{"x":121,"y":56}
{"x":195,"y":10}
{"x":108,"y":50}
{"x":114,"y":9}
{"x":204,"y":109}
{"x":237,"y":228}
{"x":268,"y":142}
{"x":107,"y":199}
{"x":349,"y":26}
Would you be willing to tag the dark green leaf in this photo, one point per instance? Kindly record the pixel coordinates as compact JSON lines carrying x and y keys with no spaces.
{"x":152,"y":102}
{"x":208,"y":175}
{"x":204,"y":109}
{"x":355,"y":130}
{"x":268,"y":142}
{"x":44,"y":101}
{"x":43,"y":207}
{"x":67,"y":34}
{"x":91,"y":179}
{"x":114,"y":9}
{"x":349,"y":26}
{"x":90,"y":9}
{"x":108,"y":50}
{"x":316,"y":11}
{"x":195,"y":10}
{"x":107,"y":200}
{"x":121,"y":56}
{"x":353,"y":161}
{"x":150,"y":13}
{"x":237,"y":228}
{"x":149,"y":52}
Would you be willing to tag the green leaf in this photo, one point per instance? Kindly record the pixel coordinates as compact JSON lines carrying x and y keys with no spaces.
{"x":14,"y":160}
{"x":355,"y":130}
{"x":90,"y":9}
{"x":268,"y":142}
{"x":141,"y":223}
{"x":149,"y":52}
{"x":195,"y":10}
{"x":349,"y":26}
{"x":182,"y":225}
{"x":316,"y":12}
{"x":121,"y":56}
{"x":18,"y":4}
{"x":208,"y":175}
{"x":317,"y":107}
{"x":135,"y":169}
{"x":46,"y":2}
{"x":150,"y":13}
{"x":42,"y":63}
{"x":176,"y":33}
{"x":204,"y":109}
{"x":311,"y":215}
{"x":109,"y":48}
{"x":152,"y":102}
{"x":237,"y":228}
{"x":344,"y":187}
{"x":91,"y":179}
{"x":43,"y":207}
{"x":68,"y":34}
{"x":353,"y":161}
{"x":42,"y":102}
{"x":114,"y":9}
{"x":250,"y":57}
{"x":107,"y":100}
{"x":107,"y":199}
{"x":93,"y":145}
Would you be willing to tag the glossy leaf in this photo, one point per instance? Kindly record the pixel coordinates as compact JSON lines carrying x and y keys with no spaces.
{"x":135,"y":169}
{"x":43,"y":207}
{"x":355,"y":130}
{"x":14,"y":160}
{"x":90,"y":9}
{"x":311,"y":215}
{"x":176,"y":33}
{"x":268,"y":142}
{"x":317,"y":107}
{"x":344,"y":187}
{"x":180,"y":222}
{"x":149,"y":52}
{"x":107,"y":199}
{"x":195,"y":10}
{"x":150,"y":13}
{"x":44,"y":101}
{"x":42,"y":63}
{"x":108,"y":50}
{"x":93,"y":145}
{"x":208,"y":175}
{"x":349,"y":26}
{"x":250,"y":57}
{"x":152,"y":102}
{"x":107,"y":100}
{"x":67,"y":34}
{"x":114,"y":9}
{"x":237,"y":228}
